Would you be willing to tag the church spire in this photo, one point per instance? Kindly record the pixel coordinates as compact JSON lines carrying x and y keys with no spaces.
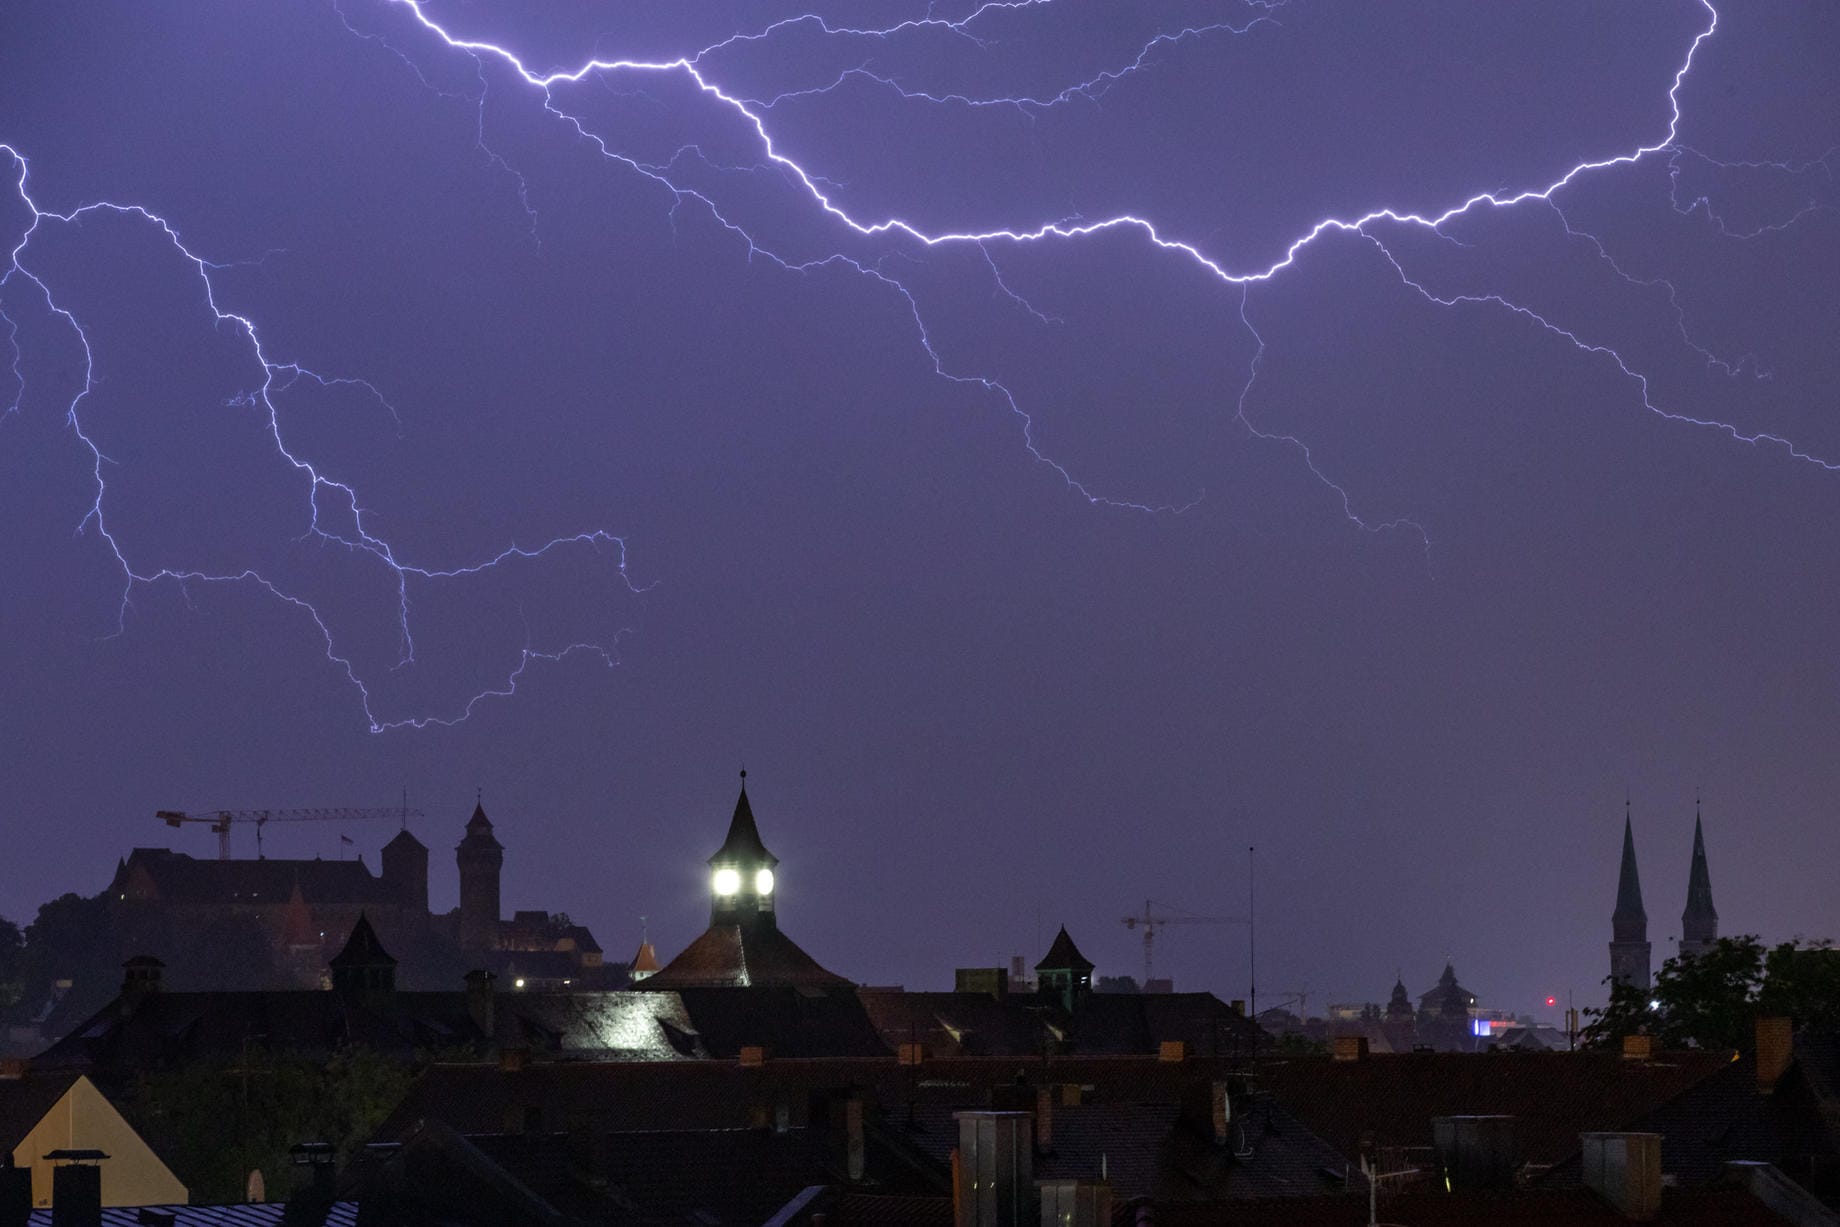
{"x":1629,"y":921}
{"x":1699,"y":924}
{"x":1629,"y":946}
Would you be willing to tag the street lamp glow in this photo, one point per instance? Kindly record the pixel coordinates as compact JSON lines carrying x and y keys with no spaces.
{"x":728,"y":882}
{"x":763,"y":882}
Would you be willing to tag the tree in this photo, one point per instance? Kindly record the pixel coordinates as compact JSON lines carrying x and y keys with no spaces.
{"x":12,"y":945}
{"x":1713,"y":1000}
{"x":72,"y":938}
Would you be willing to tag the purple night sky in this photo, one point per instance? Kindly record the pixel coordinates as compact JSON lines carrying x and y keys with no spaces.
{"x":1030,"y":577}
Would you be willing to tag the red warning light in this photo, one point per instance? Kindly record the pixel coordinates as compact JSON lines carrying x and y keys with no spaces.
{"x":1552,"y":1001}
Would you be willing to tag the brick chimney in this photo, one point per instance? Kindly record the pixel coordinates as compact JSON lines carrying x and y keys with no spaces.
{"x":1775,"y":1051}
{"x":15,"y":1192}
{"x":1044,"y":1119}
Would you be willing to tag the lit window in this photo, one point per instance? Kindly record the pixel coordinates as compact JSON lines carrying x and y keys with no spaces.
{"x":763,"y":882}
{"x":728,"y":882}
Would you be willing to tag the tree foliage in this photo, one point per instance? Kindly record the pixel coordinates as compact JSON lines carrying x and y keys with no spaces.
{"x":1713,"y":1000}
{"x":216,"y":1120}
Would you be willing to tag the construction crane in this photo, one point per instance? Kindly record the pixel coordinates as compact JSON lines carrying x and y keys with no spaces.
{"x":1151,"y":921}
{"x":221,"y":820}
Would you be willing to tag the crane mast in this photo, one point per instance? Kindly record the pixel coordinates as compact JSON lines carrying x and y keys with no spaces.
{"x":1152,"y":920}
{"x":222,"y":820}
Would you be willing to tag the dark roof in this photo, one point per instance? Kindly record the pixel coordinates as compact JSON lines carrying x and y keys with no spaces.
{"x":1063,"y":955}
{"x":402,"y":839}
{"x":737,"y":955}
{"x":1555,"y":1096}
{"x":1024,"y":1024}
{"x":1723,"y":1118}
{"x":1422,"y":1207}
{"x":710,"y":1094}
{"x":179,"y":878}
{"x":743,"y":842}
{"x":1628,"y":884}
{"x":143,"y":1032}
{"x":362,"y":949}
{"x":25,"y":1100}
{"x":479,"y":835}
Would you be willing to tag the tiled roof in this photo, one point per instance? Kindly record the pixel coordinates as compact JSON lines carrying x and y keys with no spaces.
{"x":1554,"y":1096}
{"x":1433,"y":1208}
{"x":978,"y":1024}
{"x":248,"y":1214}
{"x":735,"y":955}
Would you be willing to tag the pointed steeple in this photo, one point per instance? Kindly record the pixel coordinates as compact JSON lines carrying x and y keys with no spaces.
{"x":1629,"y":921}
{"x":1630,"y":951}
{"x":743,"y":845}
{"x":1699,"y":924}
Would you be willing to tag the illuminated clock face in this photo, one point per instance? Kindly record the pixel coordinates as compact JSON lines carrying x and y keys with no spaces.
{"x":728,"y":882}
{"x":763,"y":882}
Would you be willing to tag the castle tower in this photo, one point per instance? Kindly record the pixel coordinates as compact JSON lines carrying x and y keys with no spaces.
{"x":405,"y":871}
{"x":1699,"y":924}
{"x":480,"y":857}
{"x":1629,"y":945}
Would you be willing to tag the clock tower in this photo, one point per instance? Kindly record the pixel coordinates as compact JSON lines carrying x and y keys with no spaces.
{"x":741,"y":873}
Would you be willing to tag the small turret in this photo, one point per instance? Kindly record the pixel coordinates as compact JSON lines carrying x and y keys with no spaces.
{"x":1064,"y":973}
{"x":363,"y":967}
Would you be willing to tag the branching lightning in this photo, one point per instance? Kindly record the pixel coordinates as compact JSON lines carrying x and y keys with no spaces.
{"x":277,"y":376}
{"x":822,"y":196}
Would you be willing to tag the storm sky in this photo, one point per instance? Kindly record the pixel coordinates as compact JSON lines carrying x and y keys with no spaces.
{"x":405,"y":416}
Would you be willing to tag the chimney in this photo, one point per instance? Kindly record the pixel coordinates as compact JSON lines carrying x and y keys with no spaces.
{"x":15,"y":1192}
{"x":853,"y":1136}
{"x":12,"y":1068}
{"x":481,"y":1001}
{"x":1475,"y":1152}
{"x":76,"y":1188}
{"x":1222,"y":1114}
{"x":1625,"y":1170}
{"x":995,"y":1185}
{"x":1238,"y":1006}
{"x":753,"y":1056}
{"x":1350,"y":1047}
{"x":1775,"y":1051}
{"x":1075,"y":1203}
{"x":1044,"y":1119}
{"x":912,"y":1054}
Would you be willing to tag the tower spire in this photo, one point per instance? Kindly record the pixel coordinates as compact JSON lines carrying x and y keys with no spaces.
{"x":1699,"y":924}
{"x":1629,"y":945}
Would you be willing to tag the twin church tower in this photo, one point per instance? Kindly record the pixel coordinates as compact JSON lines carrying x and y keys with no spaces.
{"x":1699,"y":924}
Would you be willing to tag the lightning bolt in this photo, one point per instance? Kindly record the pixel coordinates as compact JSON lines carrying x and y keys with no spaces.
{"x":315,"y":485}
{"x":1377,"y":227}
